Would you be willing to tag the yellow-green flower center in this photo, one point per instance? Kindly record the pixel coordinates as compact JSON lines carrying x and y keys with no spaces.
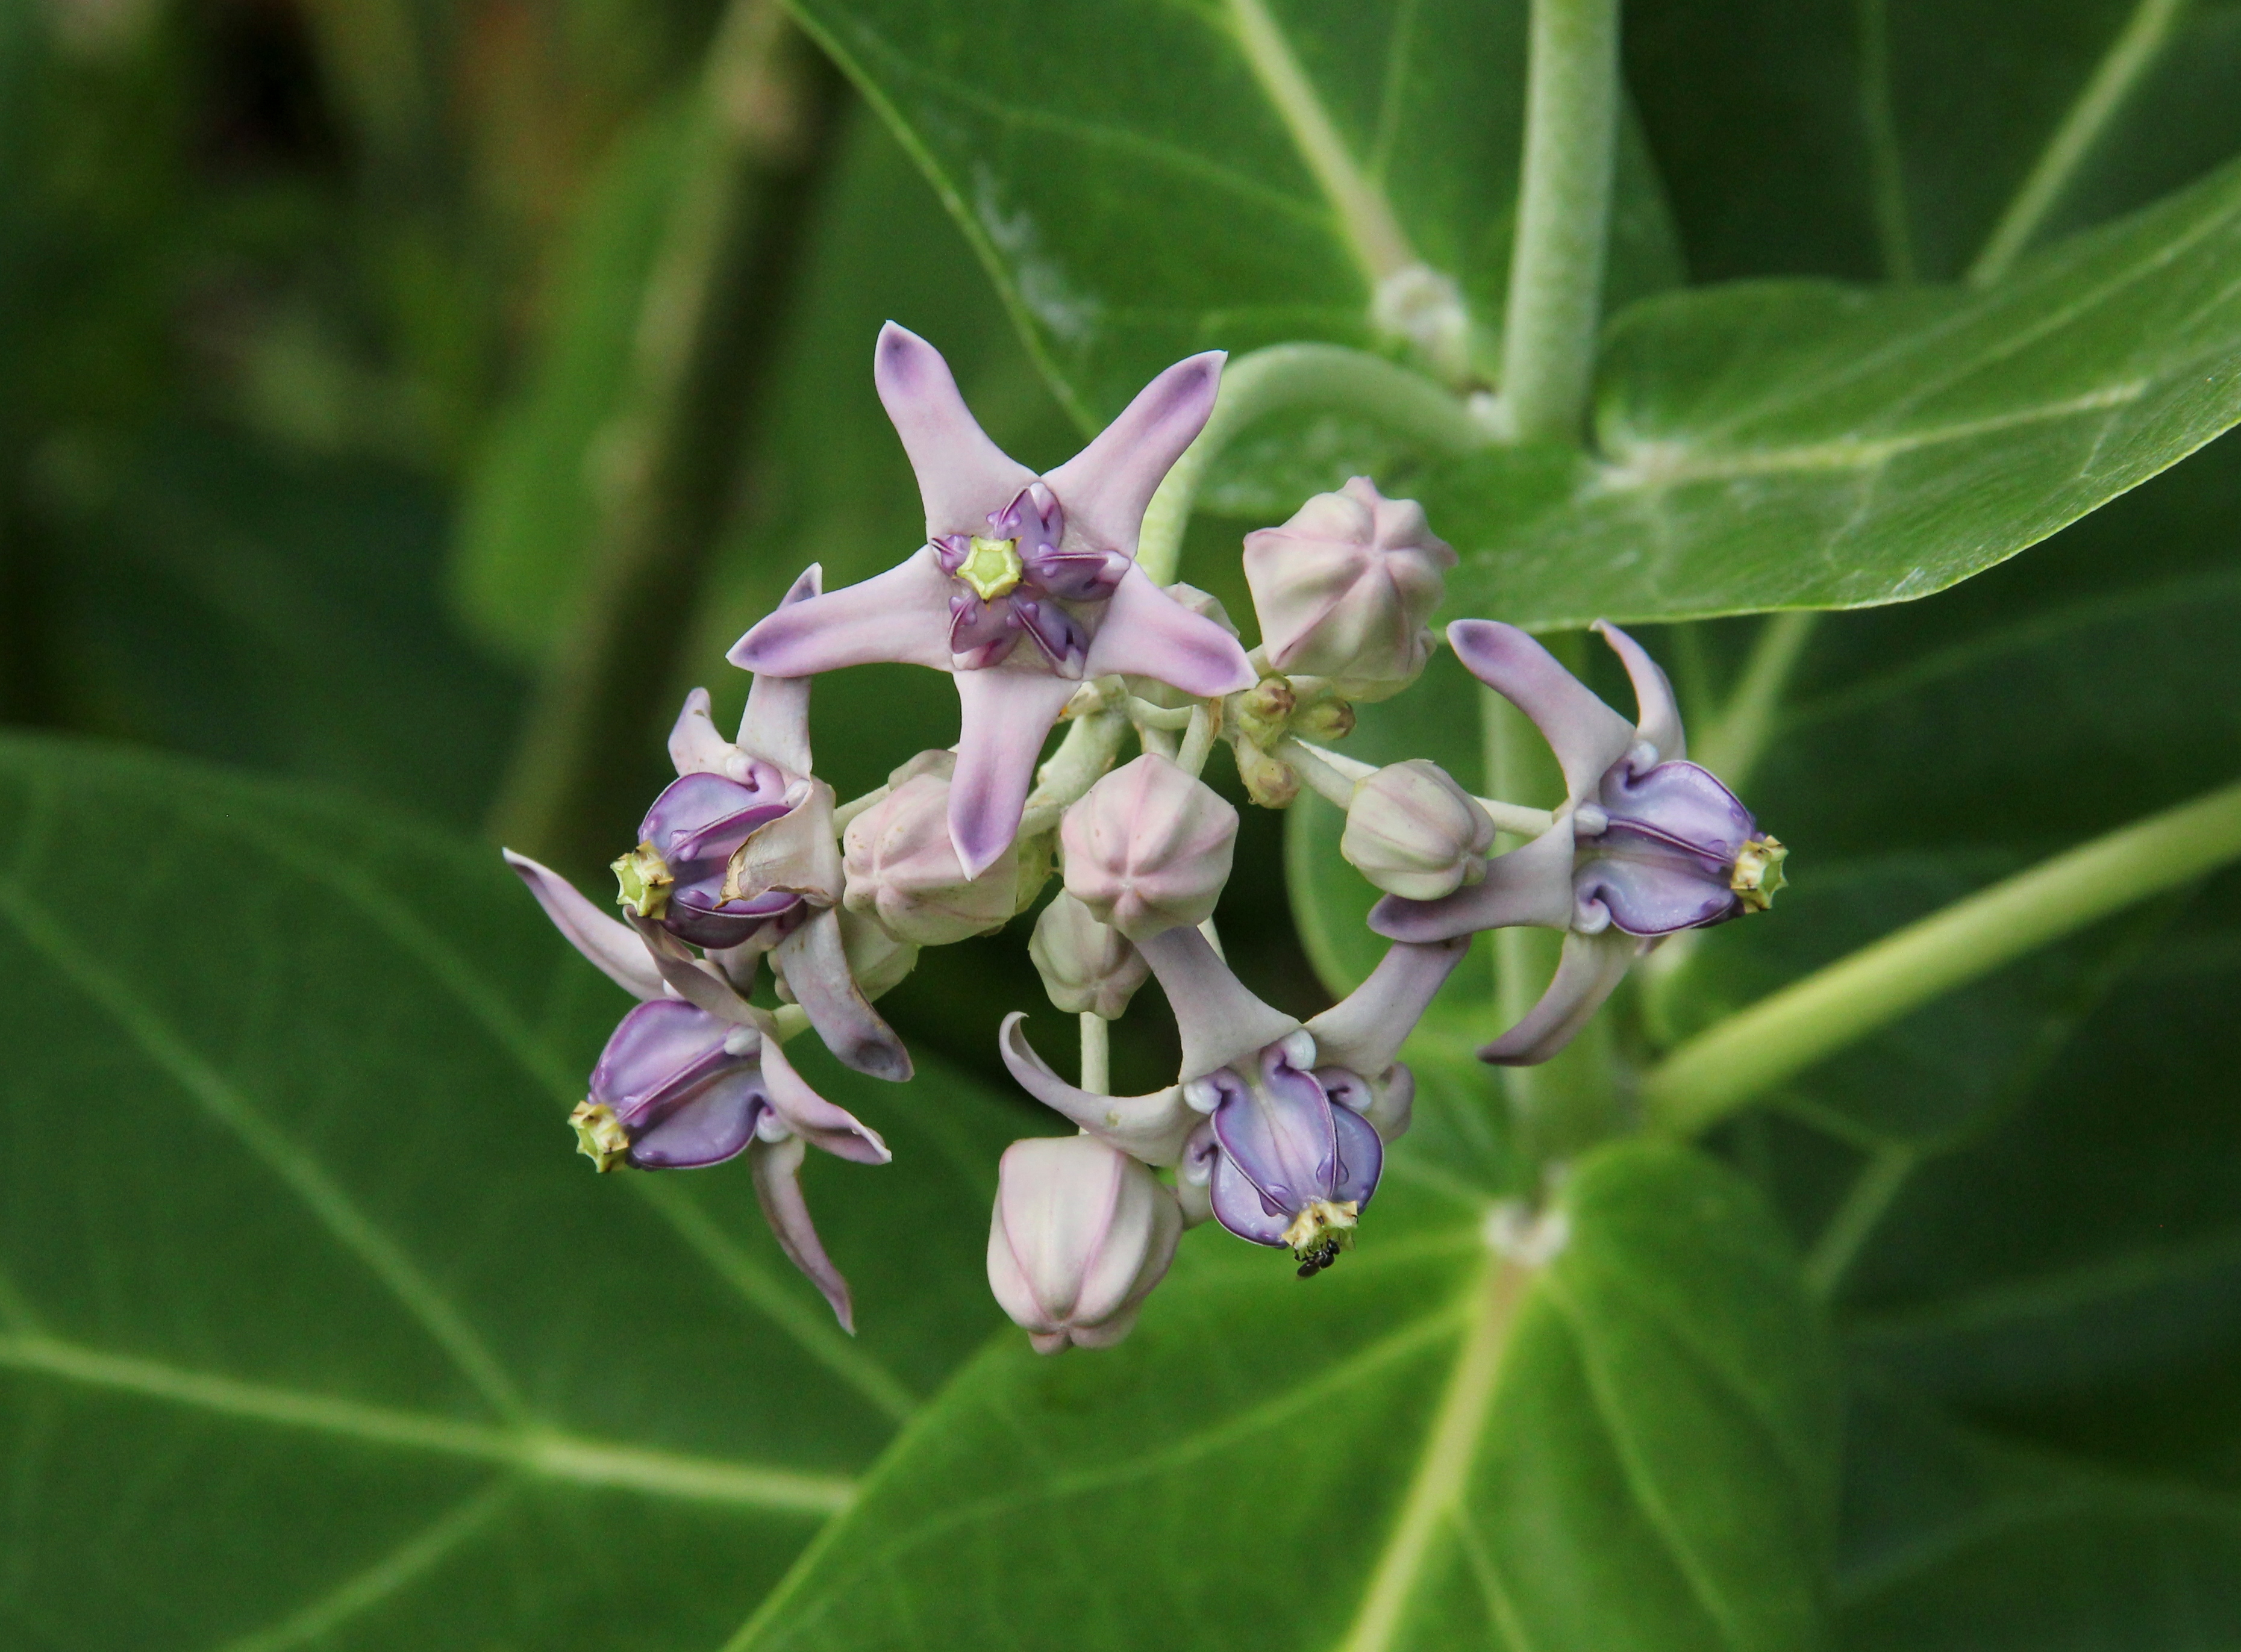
{"x":1324,"y":1228}
{"x":643,"y":880}
{"x":992,"y":567}
{"x":600,"y":1135}
{"x":1758,"y":876}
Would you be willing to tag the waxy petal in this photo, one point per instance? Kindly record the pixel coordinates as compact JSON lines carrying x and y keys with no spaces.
{"x":1005,"y":716}
{"x":816,"y":968}
{"x":1243,"y":1208}
{"x":607,"y":941}
{"x":662,"y":1052}
{"x":1658,"y":717}
{"x":1365,"y":1030}
{"x":1586,"y":735}
{"x":699,"y":984}
{"x":901,"y":615}
{"x":695,"y":747}
{"x":1221,"y":1020}
{"x":1652,"y":887}
{"x":775,"y":725}
{"x":710,"y":1128}
{"x":1360,"y":1157}
{"x":1587,"y":971}
{"x":1281,"y":1135}
{"x":796,"y":853}
{"x":1105,"y":487}
{"x":1150,"y":1127}
{"x":1145,"y":632}
{"x":1683,"y":802}
{"x":1532,"y":884}
{"x":811,"y":1116}
{"x":778,"y":1189}
{"x":962,"y":476}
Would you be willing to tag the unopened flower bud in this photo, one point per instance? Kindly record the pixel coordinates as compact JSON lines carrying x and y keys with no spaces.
{"x":1087,"y":968}
{"x":1206,"y":606}
{"x":1264,"y":711}
{"x":1344,"y":588}
{"x":1328,"y":719}
{"x":1414,"y":833}
{"x":1269,"y":781}
{"x":1149,"y":848}
{"x":1080,"y":1235}
{"x":903,"y":870}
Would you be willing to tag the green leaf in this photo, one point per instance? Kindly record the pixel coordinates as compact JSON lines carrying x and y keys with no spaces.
{"x":1801,"y":445}
{"x":1427,"y":1446}
{"x":314,"y":1329}
{"x":533,"y":501}
{"x":1145,"y":180}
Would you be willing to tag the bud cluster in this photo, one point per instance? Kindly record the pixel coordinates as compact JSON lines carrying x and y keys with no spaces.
{"x":1026,"y":593}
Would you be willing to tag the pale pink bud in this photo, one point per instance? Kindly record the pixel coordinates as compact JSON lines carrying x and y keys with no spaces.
{"x":903,"y":870}
{"x":1149,"y":848}
{"x":1415,"y":834}
{"x":1081,"y":1233}
{"x":1089,"y":967}
{"x":1344,"y":590}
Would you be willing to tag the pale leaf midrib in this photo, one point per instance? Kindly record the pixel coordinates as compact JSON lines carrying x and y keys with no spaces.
{"x":537,"y":1452}
{"x":323,"y":1198}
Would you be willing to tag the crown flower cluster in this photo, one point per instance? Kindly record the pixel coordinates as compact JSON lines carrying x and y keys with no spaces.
{"x":1028,"y":593}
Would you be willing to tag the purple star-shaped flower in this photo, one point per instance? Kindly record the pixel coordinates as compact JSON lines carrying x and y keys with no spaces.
{"x":1646,"y":843}
{"x":1025,"y":586}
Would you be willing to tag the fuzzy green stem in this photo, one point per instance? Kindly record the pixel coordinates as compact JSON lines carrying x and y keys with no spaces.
{"x":1564,"y":219}
{"x":1290,"y":375}
{"x":1096,"y":1054}
{"x":1742,"y":1058}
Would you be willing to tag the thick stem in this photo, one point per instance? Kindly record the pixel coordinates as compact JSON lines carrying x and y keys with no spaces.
{"x":1728,"y":1065}
{"x":1564,"y":219}
{"x":711,"y":310}
{"x":1096,"y":1054}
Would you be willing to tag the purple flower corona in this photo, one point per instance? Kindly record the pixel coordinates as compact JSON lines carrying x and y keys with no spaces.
{"x":1646,"y":843}
{"x":1012,"y":555}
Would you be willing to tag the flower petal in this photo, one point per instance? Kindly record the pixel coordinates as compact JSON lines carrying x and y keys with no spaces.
{"x":963,"y":477}
{"x":714,"y":1125}
{"x":1680,"y":801}
{"x":816,"y":968}
{"x":699,"y":984}
{"x":1145,"y":632}
{"x":811,"y":1116}
{"x":1280,"y":1133}
{"x":1652,"y":887}
{"x":796,"y":853}
{"x":1586,"y":735}
{"x":1657,"y":718}
{"x":1241,"y":1208}
{"x":1365,"y":1030}
{"x":604,"y":940}
{"x":1360,"y":1157}
{"x":778,"y":1189}
{"x":775,"y":725}
{"x":1221,"y":1020}
{"x":1105,"y":487}
{"x":902,"y":614}
{"x":695,"y":747}
{"x":1150,"y":1127}
{"x":1590,"y":966}
{"x":1004,"y":717}
{"x":1532,"y":884}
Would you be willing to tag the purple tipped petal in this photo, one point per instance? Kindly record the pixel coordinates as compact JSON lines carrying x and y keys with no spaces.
{"x":1057,"y":633}
{"x":660,"y":1054}
{"x":699,"y":984}
{"x":816,"y":970}
{"x":1657,"y":718}
{"x":600,"y":937}
{"x":1106,"y":486}
{"x":695,"y":747}
{"x":1151,"y":1128}
{"x":1365,"y":1030}
{"x":778,"y":1189}
{"x":698,"y":913}
{"x":775,"y":727}
{"x":1586,"y":735}
{"x":962,"y":476}
{"x":902,"y":615}
{"x":811,"y":1116}
{"x":1360,"y":1157}
{"x":1683,"y":802}
{"x":1145,"y":632}
{"x":1588,"y":968}
{"x":981,"y":634}
{"x":711,"y":1126}
{"x":704,"y":816}
{"x":1004,"y":717}
{"x":1242,"y":1208}
{"x":1280,"y":1133}
{"x":1532,"y":884}
{"x":1221,"y":1022}
{"x":1653,"y":886}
